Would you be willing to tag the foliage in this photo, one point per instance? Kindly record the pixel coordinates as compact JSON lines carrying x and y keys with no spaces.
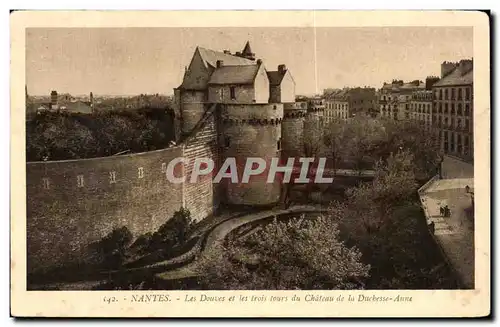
{"x":110,"y":251}
{"x":59,"y":136}
{"x":383,"y":221}
{"x":297,"y":254}
{"x":363,"y":141}
{"x":170,"y":234}
{"x":412,"y":136}
{"x":312,"y":137}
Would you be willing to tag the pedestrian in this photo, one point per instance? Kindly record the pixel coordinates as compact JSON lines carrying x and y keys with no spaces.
{"x":447,"y":211}
{"x":441,"y":211}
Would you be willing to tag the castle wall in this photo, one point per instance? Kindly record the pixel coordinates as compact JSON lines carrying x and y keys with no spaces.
{"x":253,"y":131}
{"x":292,"y":130}
{"x":274,"y":94}
{"x":63,"y":218}
{"x":201,"y":198}
{"x":222,"y":93}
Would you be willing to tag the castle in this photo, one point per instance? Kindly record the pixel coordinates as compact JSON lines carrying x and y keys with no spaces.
{"x":230,"y":105}
{"x":227,"y":106}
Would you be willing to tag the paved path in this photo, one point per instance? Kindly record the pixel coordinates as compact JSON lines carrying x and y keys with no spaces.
{"x":455,"y":233}
{"x":221,"y":231}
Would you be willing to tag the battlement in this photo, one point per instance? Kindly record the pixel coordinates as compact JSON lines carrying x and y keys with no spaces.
{"x":252,"y":112}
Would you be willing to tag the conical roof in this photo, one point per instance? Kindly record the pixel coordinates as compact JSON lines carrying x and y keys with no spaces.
{"x":247,"y":50}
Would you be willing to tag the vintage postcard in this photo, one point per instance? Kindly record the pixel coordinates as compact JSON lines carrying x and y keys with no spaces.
{"x":250,"y":164}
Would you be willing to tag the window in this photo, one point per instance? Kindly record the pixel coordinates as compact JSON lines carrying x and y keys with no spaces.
{"x":453,"y":93}
{"x":140,"y":172}
{"x":459,"y":94}
{"x":440,"y":108}
{"x":467,"y":124}
{"x":232,"y":91}
{"x":112,"y":177}
{"x":274,"y":107}
{"x":46,"y":183}
{"x":227,"y":141}
{"x":446,"y":94}
{"x":459,"y":110}
{"x":467,"y":110}
{"x":459,"y":123}
{"x":446,"y":108}
{"x":79,"y":180}
{"x":467,"y":93}
{"x":163,"y":167}
{"x":278,"y":145}
{"x":452,"y":108}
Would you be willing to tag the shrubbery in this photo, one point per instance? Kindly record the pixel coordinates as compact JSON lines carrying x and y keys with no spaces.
{"x":171,"y":234}
{"x":61,"y":136}
{"x":110,"y":251}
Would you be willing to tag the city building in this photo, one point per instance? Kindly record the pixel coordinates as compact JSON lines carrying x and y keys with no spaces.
{"x":421,"y":103}
{"x":395,"y":97}
{"x":453,"y":109}
{"x":337,"y":105}
{"x":362,"y":101}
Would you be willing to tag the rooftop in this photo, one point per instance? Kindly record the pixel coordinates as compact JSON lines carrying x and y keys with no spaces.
{"x":457,"y":77}
{"x":234,"y":75}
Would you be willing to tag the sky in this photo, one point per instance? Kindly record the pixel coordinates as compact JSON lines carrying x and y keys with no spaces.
{"x":130,"y":61}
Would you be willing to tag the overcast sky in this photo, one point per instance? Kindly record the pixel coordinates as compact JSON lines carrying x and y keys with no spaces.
{"x":151,"y":60}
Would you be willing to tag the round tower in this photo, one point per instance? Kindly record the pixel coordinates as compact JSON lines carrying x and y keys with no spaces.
{"x":313,"y":129}
{"x":252,"y":131}
{"x":191,"y":109}
{"x":292,"y":129}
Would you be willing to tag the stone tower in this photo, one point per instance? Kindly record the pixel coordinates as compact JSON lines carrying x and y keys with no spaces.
{"x":224,"y":110}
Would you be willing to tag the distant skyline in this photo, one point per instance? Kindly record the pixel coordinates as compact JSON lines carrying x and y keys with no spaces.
{"x":131,"y":61}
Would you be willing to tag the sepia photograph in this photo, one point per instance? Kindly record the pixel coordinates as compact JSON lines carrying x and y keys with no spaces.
{"x":252,"y":158}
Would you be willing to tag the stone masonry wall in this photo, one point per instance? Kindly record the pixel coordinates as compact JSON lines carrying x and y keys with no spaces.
{"x":252,"y":131}
{"x":73,"y":203}
{"x":201,"y":197}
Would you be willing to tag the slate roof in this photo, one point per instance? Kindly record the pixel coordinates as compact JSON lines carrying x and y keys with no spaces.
{"x":456,"y":78}
{"x":210,"y":57}
{"x":234,"y":75}
{"x":275,"y":78}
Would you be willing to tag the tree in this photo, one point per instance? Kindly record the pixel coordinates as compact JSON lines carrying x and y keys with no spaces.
{"x":110,"y":251}
{"x":412,"y":136}
{"x":297,"y":254}
{"x":361,"y":137}
{"x":384,"y":221}
{"x":334,"y":139}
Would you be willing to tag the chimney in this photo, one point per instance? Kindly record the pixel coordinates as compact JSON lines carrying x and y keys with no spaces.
{"x":227,"y":52}
{"x":53,"y":99}
{"x":259,"y":61}
{"x":220,"y":63}
{"x":238,"y":53}
{"x":92,"y":101}
{"x":430,"y":81}
{"x":447,"y":67}
{"x":282,"y":69}
{"x":465,"y":66}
